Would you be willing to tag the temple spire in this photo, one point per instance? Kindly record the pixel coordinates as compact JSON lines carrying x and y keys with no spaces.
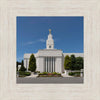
{"x":50,"y":41}
{"x":49,"y":31}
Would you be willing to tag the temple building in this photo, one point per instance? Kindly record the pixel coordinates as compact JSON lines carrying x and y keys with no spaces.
{"x":49,"y":59}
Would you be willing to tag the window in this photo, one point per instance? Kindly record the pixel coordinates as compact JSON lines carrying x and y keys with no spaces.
{"x":50,"y":46}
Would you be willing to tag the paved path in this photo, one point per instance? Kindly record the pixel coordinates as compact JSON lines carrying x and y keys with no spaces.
{"x":49,"y":80}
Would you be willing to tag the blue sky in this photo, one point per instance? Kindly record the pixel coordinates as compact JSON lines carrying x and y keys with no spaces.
{"x":32,"y":34}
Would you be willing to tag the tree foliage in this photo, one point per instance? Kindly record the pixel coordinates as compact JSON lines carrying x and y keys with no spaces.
{"x":22,"y":68}
{"x":67,"y":62}
{"x":32,"y":63}
{"x":79,"y":63}
{"x":73,"y":63}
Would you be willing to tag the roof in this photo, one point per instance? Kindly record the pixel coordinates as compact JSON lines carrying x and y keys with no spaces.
{"x":27,"y":55}
{"x":49,"y":50}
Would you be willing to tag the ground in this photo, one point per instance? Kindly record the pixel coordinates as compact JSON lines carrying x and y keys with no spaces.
{"x":48,"y":80}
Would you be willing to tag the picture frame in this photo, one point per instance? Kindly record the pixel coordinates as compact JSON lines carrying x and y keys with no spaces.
{"x":9,"y":10}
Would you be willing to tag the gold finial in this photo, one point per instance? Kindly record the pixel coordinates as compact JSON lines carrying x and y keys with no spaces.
{"x":49,"y":31}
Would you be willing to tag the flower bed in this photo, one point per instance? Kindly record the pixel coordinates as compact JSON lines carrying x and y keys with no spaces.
{"x":46,"y":74}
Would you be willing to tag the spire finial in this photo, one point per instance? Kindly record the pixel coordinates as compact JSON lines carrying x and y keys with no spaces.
{"x":49,"y":31}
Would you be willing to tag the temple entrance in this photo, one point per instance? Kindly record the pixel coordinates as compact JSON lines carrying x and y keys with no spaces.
{"x":49,"y":64}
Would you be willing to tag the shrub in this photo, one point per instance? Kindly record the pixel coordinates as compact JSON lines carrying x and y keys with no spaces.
{"x":45,"y":73}
{"x":21,"y":73}
{"x":37,"y":71}
{"x":76,"y":74}
{"x":22,"y":68}
{"x":54,"y":73}
{"x":58,"y":74}
{"x":27,"y":73}
{"x":71,"y":73}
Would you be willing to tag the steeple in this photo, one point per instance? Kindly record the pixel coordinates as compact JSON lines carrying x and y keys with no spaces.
{"x":49,"y":31}
{"x":50,"y":41}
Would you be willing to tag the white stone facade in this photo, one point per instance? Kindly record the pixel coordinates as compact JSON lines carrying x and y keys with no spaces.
{"x":49,"y":59}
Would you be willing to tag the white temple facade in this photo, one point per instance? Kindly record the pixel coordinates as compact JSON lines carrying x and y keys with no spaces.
{"x":49,"y":59}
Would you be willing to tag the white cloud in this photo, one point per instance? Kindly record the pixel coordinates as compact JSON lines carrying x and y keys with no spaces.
{"x":42,"y":40}
{"x":33,"y":42}
{"x":28,"y":43}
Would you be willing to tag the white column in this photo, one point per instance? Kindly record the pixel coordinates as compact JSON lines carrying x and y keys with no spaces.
{"x":26,"y":64}
{"x":46,"y":64}
{"x":51,"y":64}
{"x":54,"y":64}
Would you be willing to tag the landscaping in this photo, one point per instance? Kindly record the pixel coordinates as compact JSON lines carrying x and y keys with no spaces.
{"x":46,"y":74}
{"x":23,"y":74}
{"x":32,"y":67}
{"x":75,"y":74}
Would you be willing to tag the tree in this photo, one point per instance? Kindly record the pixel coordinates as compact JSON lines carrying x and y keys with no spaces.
{"x":73,"y":62}
{"x":17,"y":63}
{"x":67,"y":62}
{"x":17,"y":66}
{"x":32,"y":63}
{"x":79,"y":63}
{"x":22,"y":68}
